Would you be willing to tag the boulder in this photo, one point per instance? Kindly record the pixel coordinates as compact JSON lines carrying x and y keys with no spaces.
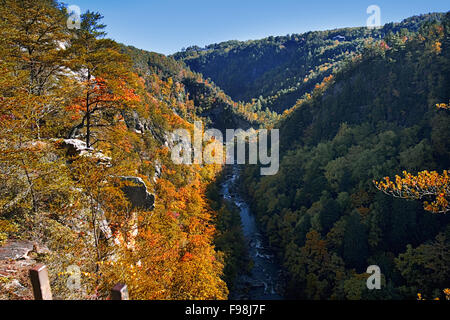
{"x":137,"y":193}
{"x":15,"y":250}
{"x":76,"y":147}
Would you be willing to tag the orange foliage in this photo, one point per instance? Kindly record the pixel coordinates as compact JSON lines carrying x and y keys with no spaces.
{"x":425,"y":184}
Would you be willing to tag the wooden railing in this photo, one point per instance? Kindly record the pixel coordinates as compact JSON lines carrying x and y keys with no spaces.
{"x":42,"y":291}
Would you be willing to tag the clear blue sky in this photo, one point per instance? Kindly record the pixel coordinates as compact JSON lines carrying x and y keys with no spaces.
{"x":166,"y":26}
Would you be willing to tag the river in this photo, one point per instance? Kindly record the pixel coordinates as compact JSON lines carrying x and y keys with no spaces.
{"x":264,"y":281}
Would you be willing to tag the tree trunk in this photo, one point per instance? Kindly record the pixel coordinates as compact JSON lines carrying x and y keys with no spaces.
{"x":88,"y":114}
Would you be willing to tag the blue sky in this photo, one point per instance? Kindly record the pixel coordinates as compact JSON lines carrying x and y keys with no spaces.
{"x":166,"y":26}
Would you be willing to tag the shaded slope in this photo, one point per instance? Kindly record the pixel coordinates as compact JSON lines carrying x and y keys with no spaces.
{"x":377,"y":117}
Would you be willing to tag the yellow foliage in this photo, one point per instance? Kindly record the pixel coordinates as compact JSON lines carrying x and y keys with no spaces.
{"x":425,"y":184}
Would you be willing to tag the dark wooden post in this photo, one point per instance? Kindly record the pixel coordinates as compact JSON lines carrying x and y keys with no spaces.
{"x":40,"y":283}
{"x":119,"y":292}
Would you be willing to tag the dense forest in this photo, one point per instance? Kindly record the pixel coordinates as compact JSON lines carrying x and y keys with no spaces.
{"x":86,"y":123}
{"x":211,"y":102}
{"x":275,"y":72}
{"x":383,"y":113}
{"x":87,"y":182}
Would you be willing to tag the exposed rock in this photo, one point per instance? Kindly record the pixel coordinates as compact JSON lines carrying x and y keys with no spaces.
{"x":141,"y":125}
{"x":15,"y":289}
{"x":39,"y":249}
{"x":158,"y":170}
{"x":14,"y":281}
{"x":21,"y":250}
{"x":104,"y":226}
{"x":76,"y":147}
{"x":133,"y":121}
{"x":15,"y":250}
{"x":137,"y":193}
{"x":15,"y":286}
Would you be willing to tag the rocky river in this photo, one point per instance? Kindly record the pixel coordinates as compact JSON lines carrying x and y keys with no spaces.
{"x":264,"y":281}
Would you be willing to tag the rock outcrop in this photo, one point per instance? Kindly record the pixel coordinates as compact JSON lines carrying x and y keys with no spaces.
{"x":137,"y":193}
{"x":76,"y":147}
{"x":16,"y":258}
{"x":135,"y":189}
{"x":16,"y":250}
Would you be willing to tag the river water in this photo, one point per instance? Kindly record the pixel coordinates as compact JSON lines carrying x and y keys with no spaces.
{"x":264,"y":281}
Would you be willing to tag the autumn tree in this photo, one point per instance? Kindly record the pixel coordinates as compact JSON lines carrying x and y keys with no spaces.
{"x":33,"y":40}
{"x":424,"y":185}
{"x":105,"y":74}
{"x":31,"y":67}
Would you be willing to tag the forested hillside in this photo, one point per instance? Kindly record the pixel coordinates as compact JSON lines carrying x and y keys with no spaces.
{"x":323,"y":213}
{"x":275,"y":72}
{"x":211,"y":103}
{"x":86,"y":179}
{"x":88,"y":186}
